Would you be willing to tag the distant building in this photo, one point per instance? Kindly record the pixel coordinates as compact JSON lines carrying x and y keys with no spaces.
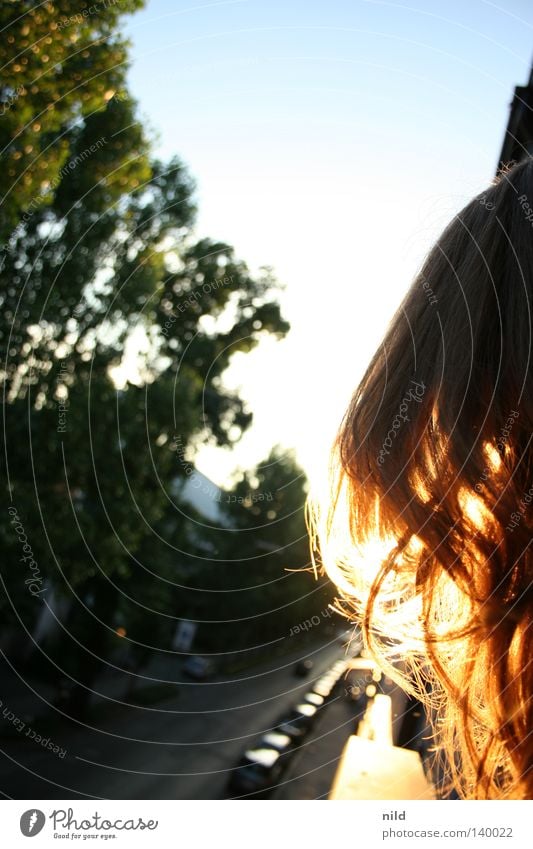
{"x":518,"y":139}
{"x":206,"y":498}
{"x":203,"y":495}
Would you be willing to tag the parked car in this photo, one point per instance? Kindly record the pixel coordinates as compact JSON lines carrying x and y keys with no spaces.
{"x":298,"y":722}
{"x":308,"y":711}
{"x":293,"y":727}
{"x":197,"y":667}
{"x":303,"y":668}
{"x":324,"y":686}
{"x":276,"y":740}
{"x":257,"y":772}
{"x":314,"y":699}
{"x":339,"y":667}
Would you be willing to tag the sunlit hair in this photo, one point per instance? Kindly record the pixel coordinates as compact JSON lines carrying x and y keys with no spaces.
{"x":427,"y":528}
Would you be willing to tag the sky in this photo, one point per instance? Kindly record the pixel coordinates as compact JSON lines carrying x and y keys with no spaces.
{"x":332,"y":140}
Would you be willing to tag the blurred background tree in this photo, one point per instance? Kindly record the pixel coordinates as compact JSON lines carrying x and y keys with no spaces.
{"x":60,"y":64}
{"x":259,"y":583}
{"x":117,"y":323}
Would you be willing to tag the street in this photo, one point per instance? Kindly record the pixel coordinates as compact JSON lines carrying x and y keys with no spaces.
{"x":183,"y":747}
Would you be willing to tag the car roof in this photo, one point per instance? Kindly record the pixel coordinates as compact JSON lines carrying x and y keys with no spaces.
{"x":276,"y":738}
{"x":262,"y":756}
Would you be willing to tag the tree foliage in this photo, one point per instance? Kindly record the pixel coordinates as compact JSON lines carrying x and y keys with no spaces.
{"x":60,"y":64}
{"x":117,"y":324}
{"x":258,"y":582}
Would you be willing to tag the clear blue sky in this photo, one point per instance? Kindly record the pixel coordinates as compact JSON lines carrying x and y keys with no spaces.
{"x":332,"y":140}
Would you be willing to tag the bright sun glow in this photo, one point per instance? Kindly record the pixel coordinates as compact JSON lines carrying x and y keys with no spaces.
{"x":350,"y":564}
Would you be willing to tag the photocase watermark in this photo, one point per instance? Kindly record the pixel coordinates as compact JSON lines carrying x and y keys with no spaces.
{"x":66,"y":820}
{"x":429,"y":292}
{"x":488,"y":204}
{"x":37,"y":202}
{"x":505,"y":432}
{"x":517,"y":515}
{"x":79,"y":17}
{"x":30,"y":733}
{"x":32,"y":822}
{"x":401,"y":416}
{"x":84,"y":827}
{"x":315,"y":620}
{"x":501,"y":442}
{"x":246,"y":500}
{"x":63,"y":405}
{"x":197,"y":481}
{"x":35,"y":580}
{"x":10,"y":97}
{"x":202,"y":484}
{"x":526,"y":208}
{"x":193,"y":298}
{"x":80,"y":157}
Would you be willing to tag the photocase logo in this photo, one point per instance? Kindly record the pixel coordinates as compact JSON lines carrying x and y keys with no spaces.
{"x":32,"y":822}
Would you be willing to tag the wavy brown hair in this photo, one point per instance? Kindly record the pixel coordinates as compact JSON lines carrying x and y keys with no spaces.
{"x":427,"y":530}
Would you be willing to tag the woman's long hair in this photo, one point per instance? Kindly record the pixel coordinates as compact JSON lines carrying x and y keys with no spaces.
{"x":427,"y":529}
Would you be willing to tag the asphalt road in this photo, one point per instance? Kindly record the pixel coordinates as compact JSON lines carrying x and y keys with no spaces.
{"x":181,"y":748}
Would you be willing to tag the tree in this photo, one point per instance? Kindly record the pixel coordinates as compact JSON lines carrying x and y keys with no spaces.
{"x":108,"y":274}
{"x":260,"y":584}
{"x":59,"y":66}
